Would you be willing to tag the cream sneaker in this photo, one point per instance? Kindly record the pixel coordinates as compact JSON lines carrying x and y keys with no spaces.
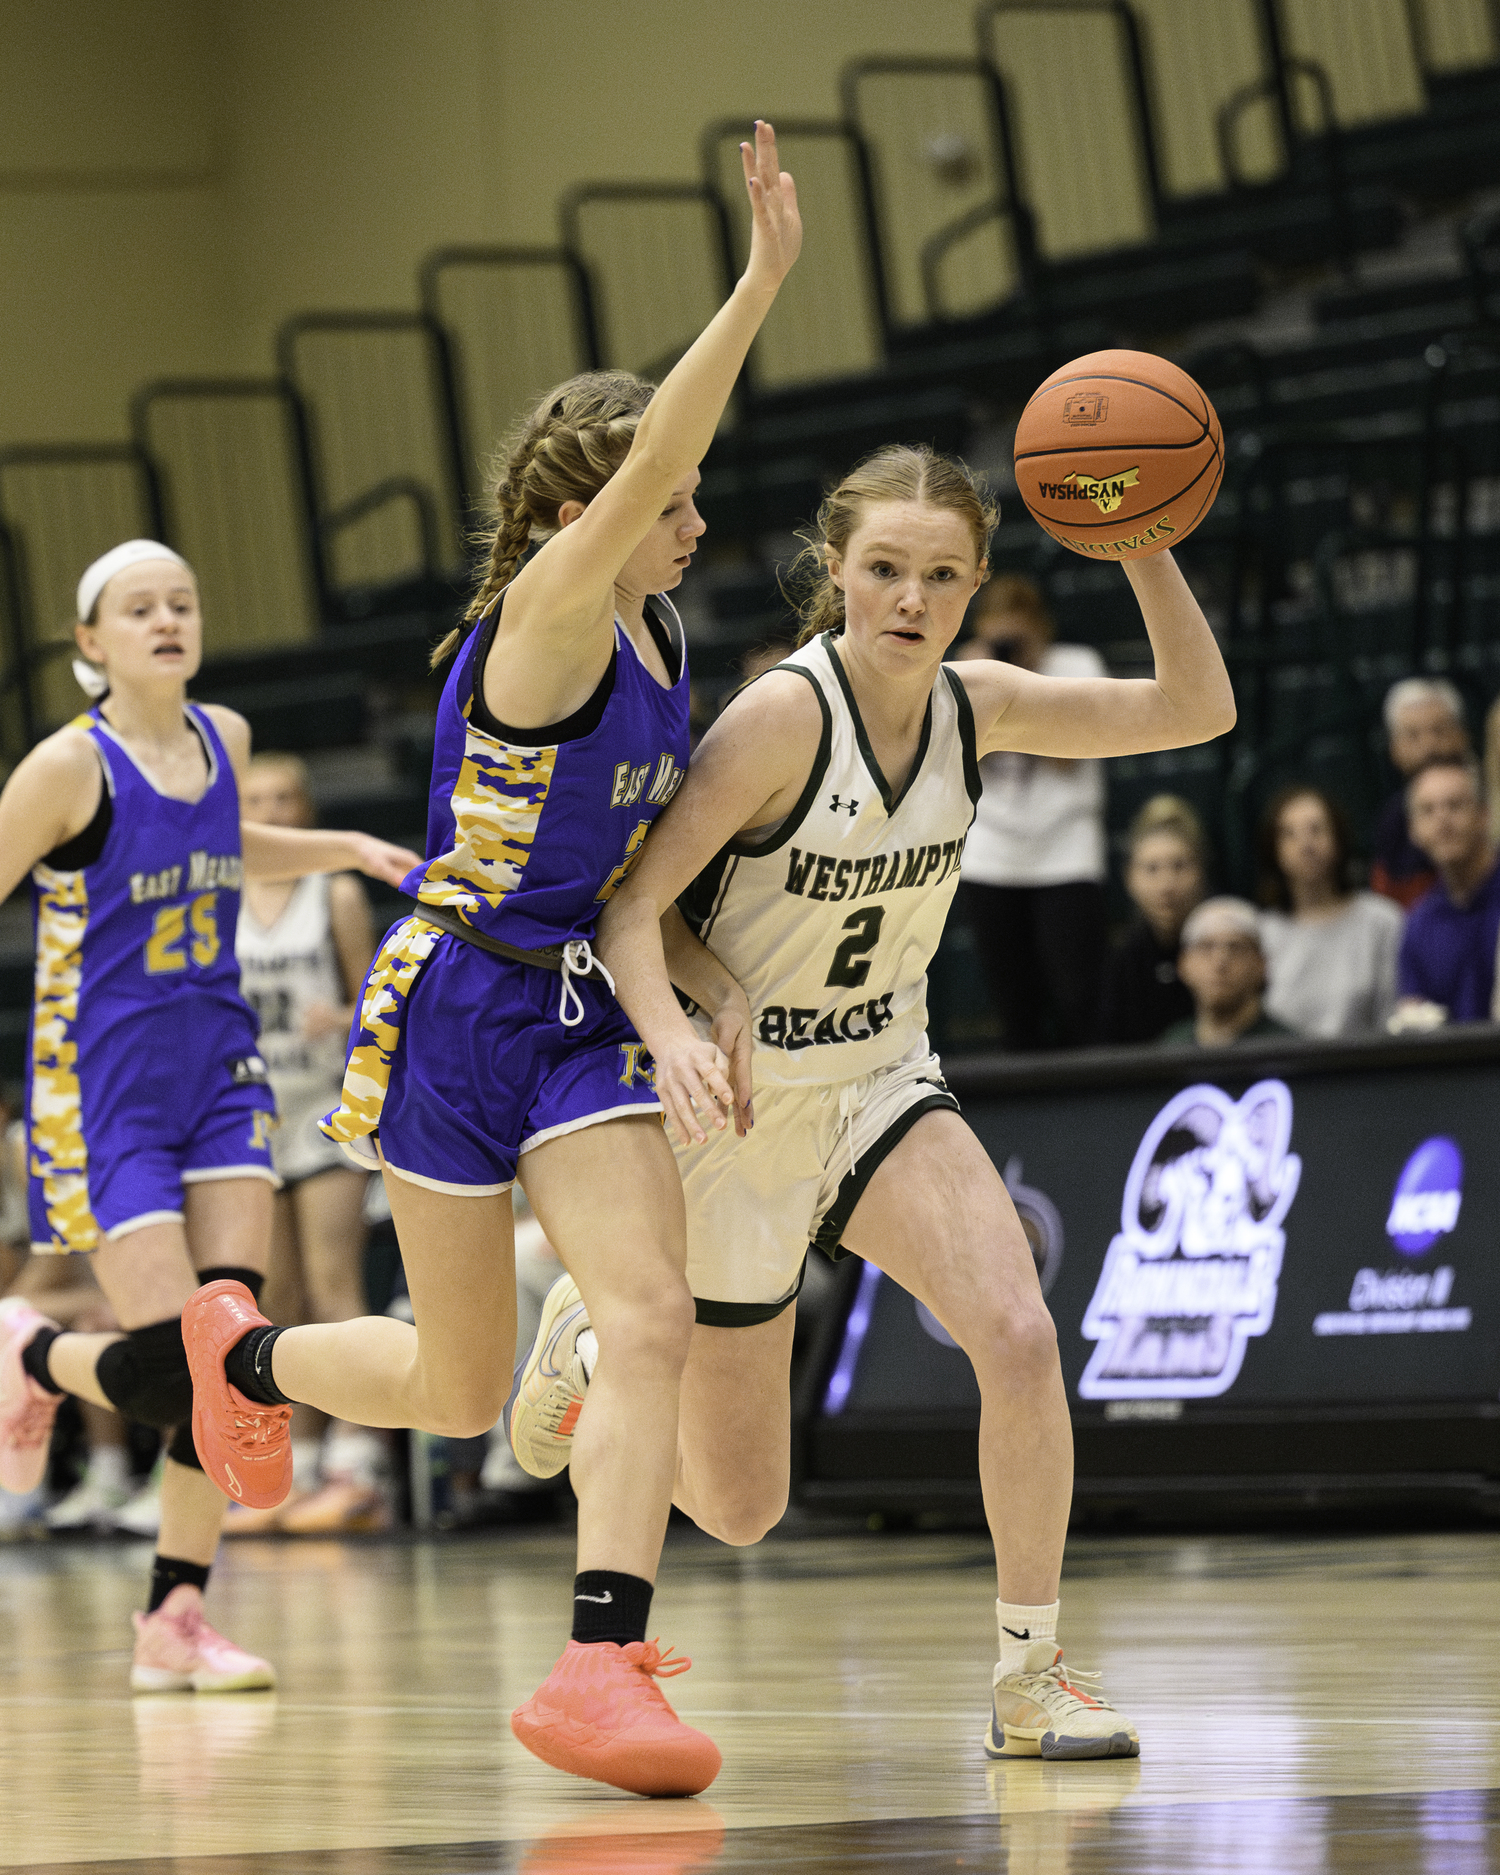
{"x":1044,"y":1712}
{"x":550,"y":1383}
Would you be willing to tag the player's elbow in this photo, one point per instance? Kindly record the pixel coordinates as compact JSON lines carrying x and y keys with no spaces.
{"x":1223,"y":717}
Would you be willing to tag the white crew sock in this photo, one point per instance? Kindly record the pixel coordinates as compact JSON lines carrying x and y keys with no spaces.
{"x":109,"y":1466}
{"x":307,"y":1457}
{"x":1021,"y":1626}
{"x":587,"y":1345}
{"x":355,"y":1455}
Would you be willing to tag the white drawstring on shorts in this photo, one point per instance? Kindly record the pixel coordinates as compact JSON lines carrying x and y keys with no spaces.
{"x":578,"y":960}
{"x":851,"y":1099}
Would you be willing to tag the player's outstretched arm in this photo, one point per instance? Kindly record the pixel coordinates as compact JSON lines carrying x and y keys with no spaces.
{"x":1189,"y":700}
{"x":746,"y":773}
{"x":273,"y":853}
{"x":564,"y":589}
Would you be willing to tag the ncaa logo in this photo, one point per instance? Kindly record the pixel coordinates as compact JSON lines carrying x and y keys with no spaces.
{"x":1427,"y":1198}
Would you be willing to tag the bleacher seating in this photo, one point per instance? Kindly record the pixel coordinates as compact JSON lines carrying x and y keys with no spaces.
{"x":1096,"y":172}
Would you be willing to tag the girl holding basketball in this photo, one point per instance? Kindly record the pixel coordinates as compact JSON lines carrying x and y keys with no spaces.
{"x":489,"y":1045}
{"x":815,"y":848}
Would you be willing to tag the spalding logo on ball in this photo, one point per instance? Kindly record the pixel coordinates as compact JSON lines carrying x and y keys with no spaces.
{"x":1119,"y":455}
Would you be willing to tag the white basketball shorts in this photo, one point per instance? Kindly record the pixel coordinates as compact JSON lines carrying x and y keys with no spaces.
{"x":754,"y":1205}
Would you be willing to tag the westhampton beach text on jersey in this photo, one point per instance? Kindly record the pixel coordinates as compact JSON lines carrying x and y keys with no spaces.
{"x":824,"y":876}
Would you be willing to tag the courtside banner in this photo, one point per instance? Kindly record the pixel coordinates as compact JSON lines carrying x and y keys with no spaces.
{"x":1279,"y":1224}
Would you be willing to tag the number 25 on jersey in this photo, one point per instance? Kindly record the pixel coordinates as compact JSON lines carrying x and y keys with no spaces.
{"x":182,"y":931}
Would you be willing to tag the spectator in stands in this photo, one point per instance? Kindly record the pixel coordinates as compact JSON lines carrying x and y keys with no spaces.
{"x":1165,"y":877}
{"x":1034,"y":865}
{"x":1424,"y":718}
{"x":1223,"y":965}
{"x":1331,"y":951}
{"x":1492,"y":766}
{"x":1447,"y":961}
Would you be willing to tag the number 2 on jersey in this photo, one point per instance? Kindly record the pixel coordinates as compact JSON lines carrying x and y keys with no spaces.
{"x":864,"y":929}
{"x":169,"y":928}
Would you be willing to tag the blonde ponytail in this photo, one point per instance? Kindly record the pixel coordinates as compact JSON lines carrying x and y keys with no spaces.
{"x":565,"y":450}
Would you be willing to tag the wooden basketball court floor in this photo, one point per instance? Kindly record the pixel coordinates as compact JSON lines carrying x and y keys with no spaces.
{"x":1328,"y":1704}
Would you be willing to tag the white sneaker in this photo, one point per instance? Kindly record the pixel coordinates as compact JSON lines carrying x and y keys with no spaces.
{"x":91,"y":1504}
{"x":550,"y":1384}
{"x":142,"y":1515}
{"x":1043,"y":1712}
{"x":22,"y":1514}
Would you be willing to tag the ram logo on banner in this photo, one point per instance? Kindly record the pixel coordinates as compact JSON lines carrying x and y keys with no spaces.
{"x":1193,"y":1273}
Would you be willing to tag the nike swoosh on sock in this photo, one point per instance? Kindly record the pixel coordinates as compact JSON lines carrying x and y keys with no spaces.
{"x":1023,"y":1635}
{"x":606,"y":1598}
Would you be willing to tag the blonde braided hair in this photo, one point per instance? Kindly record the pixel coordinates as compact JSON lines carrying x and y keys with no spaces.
{"x":899,"y":472}
{"x":565,"y":450}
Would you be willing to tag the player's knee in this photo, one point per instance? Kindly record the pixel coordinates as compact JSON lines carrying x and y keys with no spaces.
{"x":653,"y":1326}
{"x":146,"y":1375}
{"x":745,"y":1516}
{"x":465,"y":1407}
{"x":1020,"y":1339}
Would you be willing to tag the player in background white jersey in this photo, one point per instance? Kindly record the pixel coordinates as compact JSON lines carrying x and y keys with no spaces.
{"x":901,"y":550}
{"x":303,"y":950}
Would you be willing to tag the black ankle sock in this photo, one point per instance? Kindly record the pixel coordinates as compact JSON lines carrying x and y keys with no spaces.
{"x":608,"y":1606}
{"x":230,"y":1272}
{"x":247,"y":1366}
{"x":34,"y":1358}
{"x":170,"y":1572}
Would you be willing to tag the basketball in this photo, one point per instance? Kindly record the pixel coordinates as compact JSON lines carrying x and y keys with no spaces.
{"x":1119,"y":455}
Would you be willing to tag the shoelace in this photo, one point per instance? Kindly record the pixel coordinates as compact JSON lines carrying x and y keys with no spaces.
{"x":34,"y":1422}
{"x":255,"y":1428}
{"x":651,"y":1660}
{"x":1060,"y":1675}
{"x":579,"y":960}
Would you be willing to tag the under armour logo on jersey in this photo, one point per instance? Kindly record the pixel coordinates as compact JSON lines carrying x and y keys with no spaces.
{"x":851,"y":806}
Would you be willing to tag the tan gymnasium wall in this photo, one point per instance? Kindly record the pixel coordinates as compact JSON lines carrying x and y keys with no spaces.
{"x":176,"y":176}
{"x":112,"y":237}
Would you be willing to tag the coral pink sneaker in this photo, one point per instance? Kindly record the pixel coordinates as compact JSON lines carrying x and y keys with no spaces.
{"x":600,"y":1714}
{"x":176,"y":1651}
{"x":27,"y":1409}
{"x":246,"y":1448}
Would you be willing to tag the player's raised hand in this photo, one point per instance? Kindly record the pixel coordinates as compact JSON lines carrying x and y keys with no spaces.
{"x":776,"y":226}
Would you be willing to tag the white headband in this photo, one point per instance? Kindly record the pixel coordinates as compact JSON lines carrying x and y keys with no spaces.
{"x":115,"y":561}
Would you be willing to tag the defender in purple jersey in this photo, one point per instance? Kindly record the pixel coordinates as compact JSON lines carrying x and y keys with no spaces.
{"x":147,"y":1109}
{"x":489,"y":1046}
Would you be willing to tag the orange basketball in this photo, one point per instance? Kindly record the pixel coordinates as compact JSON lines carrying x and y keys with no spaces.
{"x":1119,"y":455}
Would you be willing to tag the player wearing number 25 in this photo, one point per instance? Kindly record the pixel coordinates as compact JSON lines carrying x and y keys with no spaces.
{"x":147,"y":1110}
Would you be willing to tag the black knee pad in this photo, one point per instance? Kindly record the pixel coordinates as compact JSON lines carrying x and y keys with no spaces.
{"x":180,"y":1447}
{"x":252,"y":1279}
{"x":146,"y":1375}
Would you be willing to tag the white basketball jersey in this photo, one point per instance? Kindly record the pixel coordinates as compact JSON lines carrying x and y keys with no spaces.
{"x":283,"y":971}
{"x":830,"y":922}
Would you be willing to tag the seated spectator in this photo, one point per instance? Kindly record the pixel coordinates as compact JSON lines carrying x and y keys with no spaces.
{"x":1492,"y":766}
{"x":1331,"y":951}
{"x":1222,"y":964}
{"x":1034,"y":865}
{"x":1424,"y":719}
{"x":1164,"y":875}
{"x":1447,"y":959}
